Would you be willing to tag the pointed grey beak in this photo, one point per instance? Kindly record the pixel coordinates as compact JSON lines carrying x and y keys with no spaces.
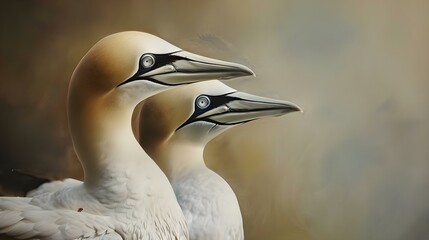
{"x":183,"y":67}
{"x":238,"y":107}
{"x":246,"y":107}
{"x":189,"y":68}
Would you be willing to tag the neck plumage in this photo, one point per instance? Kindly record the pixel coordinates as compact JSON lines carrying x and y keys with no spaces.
{"x":103,"y":139}
{"x":210,"y":203}
{"x":178,"y":159}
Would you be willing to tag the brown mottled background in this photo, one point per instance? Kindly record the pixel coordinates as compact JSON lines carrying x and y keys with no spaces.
{"x":355,"y":165}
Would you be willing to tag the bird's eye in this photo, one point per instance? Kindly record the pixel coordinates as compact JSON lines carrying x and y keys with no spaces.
{"x":147,"y":61}
{"x":203,"y":102}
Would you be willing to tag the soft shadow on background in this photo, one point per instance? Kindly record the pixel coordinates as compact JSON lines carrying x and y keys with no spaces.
{"x":354,"y":165}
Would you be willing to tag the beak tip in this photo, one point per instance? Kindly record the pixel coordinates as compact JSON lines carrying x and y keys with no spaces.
{"x":246,"y":71}
{"x":291,"y":107}
{"x":251,"y":73}
{"x":298,"y":109}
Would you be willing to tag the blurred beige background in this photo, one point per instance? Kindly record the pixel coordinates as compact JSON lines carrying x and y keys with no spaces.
{"x":355,"y":165}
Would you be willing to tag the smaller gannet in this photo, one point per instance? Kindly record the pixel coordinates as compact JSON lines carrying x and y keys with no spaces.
{"x":124,"y":195}
{"x":177,"y":125}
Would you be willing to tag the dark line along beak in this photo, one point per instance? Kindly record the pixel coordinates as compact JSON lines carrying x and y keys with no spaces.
{"x":238,"y":107}
{"x":183,"y":67}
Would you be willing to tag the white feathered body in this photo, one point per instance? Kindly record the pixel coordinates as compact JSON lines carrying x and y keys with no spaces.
{"x":209,"y":204}
{"x":131,"y":203}
{"x":73,"y":213}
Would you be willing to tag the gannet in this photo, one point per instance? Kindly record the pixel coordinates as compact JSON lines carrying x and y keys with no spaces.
{"x":124,"y":194}
{"x":176,"y":125}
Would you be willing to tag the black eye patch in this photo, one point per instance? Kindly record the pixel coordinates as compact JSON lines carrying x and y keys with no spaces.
{"x":215,"y":101}
{"x":160,"y":60}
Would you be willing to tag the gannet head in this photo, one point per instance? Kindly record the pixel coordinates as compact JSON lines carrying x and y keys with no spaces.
{"x":199,"y":112}
{"x":140,"y":64}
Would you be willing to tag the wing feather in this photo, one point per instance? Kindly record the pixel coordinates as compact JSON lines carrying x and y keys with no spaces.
{"x":9,"y":218}
{"x":50,"y":187}
{"x":22,"y":220}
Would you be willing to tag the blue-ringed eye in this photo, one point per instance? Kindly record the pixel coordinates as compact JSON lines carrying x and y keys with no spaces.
{"x":203,"y":102}
{"x":147,"y":61}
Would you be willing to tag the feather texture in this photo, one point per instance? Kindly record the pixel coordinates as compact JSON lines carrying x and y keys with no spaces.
{"x":21,"y":218}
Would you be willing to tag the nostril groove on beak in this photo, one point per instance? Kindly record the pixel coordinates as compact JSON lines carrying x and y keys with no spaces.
{"x":228,"y":108}
{"x":174,"y":67}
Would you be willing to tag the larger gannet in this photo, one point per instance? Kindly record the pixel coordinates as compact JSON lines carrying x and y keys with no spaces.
{"x":176,"y":125}
{"x":124,"y":195}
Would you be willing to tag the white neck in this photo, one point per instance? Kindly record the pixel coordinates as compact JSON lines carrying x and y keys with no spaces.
{"x":178,"y":159}
{"x":112,"y":159}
